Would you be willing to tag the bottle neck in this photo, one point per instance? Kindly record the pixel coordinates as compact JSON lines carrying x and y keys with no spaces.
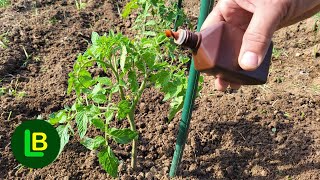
{"x":188,"y":39}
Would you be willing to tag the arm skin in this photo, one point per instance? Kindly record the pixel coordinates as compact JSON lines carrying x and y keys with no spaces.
{"x":259,"y":19}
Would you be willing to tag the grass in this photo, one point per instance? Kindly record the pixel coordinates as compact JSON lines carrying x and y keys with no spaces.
{"x":276,"y":53}
{"x":28,"y":57}
{"x":4,"y":40}
{"x":80,"y":5}
{"x":4,"y":3}
{"x":12,"y":90}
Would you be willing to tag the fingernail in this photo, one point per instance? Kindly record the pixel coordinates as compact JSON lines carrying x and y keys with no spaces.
{"x":249,"y":60}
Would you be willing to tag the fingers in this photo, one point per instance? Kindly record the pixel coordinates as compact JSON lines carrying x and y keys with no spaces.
{"x":222,"y":85}
{"x":257,"y":38}
{"x":214,"y":17}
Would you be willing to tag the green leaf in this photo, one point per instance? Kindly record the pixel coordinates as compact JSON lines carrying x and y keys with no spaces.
{"x":124,"y":107}
{"x":132,"y":79}
{"x":140,"y":64}
{"x":70,"y":83}
{"x":60,"y":117}
{"x":151,"y":23}
{"x":149,"y":58}
{"x":94,"y":38}
{"x":98,"y":123}
{"x":175,"y":106}
{"x":85,"y":78}
{"x":161,"y":78}
{"x":171,"y":90}
{"x":63,"y":131}
{"x":99,"y":98}
{"x":82,"y":121}
{"x":122,"y":136}
{"x":98,"y":94}
{"x":104,"y":81}
{"x":123,"y":57}
{"x":109,"y":161}
{"x":115,"y":88}
{"x":150,"y":33}
{"x":93,"y":143}
{"x":133,"y":4}
{"x":109,"y":116}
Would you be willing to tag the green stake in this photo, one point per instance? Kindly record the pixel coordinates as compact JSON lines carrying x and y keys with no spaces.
{"x":206,"y":6}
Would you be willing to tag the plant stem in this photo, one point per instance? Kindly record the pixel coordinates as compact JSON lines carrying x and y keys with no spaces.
{"x":133,"y":125}
{"x":134,"y":142}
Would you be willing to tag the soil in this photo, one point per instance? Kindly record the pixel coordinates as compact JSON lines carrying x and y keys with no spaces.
{"x":259,"y":132}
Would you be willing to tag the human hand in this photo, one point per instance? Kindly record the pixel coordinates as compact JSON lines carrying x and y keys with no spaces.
{"x":259,"y":19}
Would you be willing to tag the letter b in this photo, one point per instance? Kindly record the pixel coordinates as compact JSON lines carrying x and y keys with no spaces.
{"x":36,"y":141}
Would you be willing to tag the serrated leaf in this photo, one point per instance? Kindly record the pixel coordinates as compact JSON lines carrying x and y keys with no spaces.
{"x":133,"y":4}
{"x":124,"y":107}
{"x":140,"y":64}
{"x":161,"y":78}
{"x":132,"y":79}
{"x":175,"y":106}
{"x":115,"y":89}
{"x":151,"y":23}
{"x":109,"y":161}
{"x":93,"y":143}
{"x":94,"y":37}
{"x":82,"y":121}
{"x":97,"y":89}
{"x":109,"y":116}
{"x":59,"y":117}
{"x":104,"y":81}
{"x":63,"y":131}
{"x":70,"y":83}
{"x":123,"y":57}
{"x":171,"y":90}
{"x":122,"y":136}
{"x":150,"y":33}
{"x":98,"y":123}
{"x":149,"y":58}
{"x":85,"y":78}
{"x":99,"y":98}
{"x":98,"y":94}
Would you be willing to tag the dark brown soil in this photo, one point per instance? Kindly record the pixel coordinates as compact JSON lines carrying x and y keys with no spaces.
{"x":231,"y":135}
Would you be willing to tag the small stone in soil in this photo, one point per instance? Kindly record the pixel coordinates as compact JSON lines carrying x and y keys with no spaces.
{"x":206,"y":149}
{"x":171,"y":126}
{"x":229,"y":170}
{"x":192,"y":167}
{"x":149,"y":175}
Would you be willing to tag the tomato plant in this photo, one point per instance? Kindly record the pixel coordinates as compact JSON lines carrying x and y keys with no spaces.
{"x":126,"y":68}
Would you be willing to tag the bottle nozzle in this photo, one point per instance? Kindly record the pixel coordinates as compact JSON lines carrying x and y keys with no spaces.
{"x":185,"y":38}
{"x":170,"y":33}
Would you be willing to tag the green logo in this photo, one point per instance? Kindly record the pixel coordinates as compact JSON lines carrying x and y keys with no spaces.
{"x":35,"y":143}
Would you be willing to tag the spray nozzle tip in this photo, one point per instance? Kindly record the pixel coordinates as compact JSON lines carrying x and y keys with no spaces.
{"x":170,"y":33}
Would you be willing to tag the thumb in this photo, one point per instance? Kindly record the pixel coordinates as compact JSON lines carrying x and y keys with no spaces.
{"x":257,"y":38}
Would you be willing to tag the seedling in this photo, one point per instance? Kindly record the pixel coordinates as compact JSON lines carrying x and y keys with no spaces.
{"x":2,"y":91}
{"x":276,"y":52}
{"x":4,"y":3}
{"x":4,"y":40}
{"x":132,"y":65}
{"x":9,"y":116}
{"x":28,"y":57}
{"x":316,"y":25}
{"x":53,"y":20}
{"x":12,"y":90}
{"x":80,"y":5}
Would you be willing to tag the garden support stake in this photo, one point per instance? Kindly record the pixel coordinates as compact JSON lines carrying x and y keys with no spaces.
{"x":205,"y":8}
